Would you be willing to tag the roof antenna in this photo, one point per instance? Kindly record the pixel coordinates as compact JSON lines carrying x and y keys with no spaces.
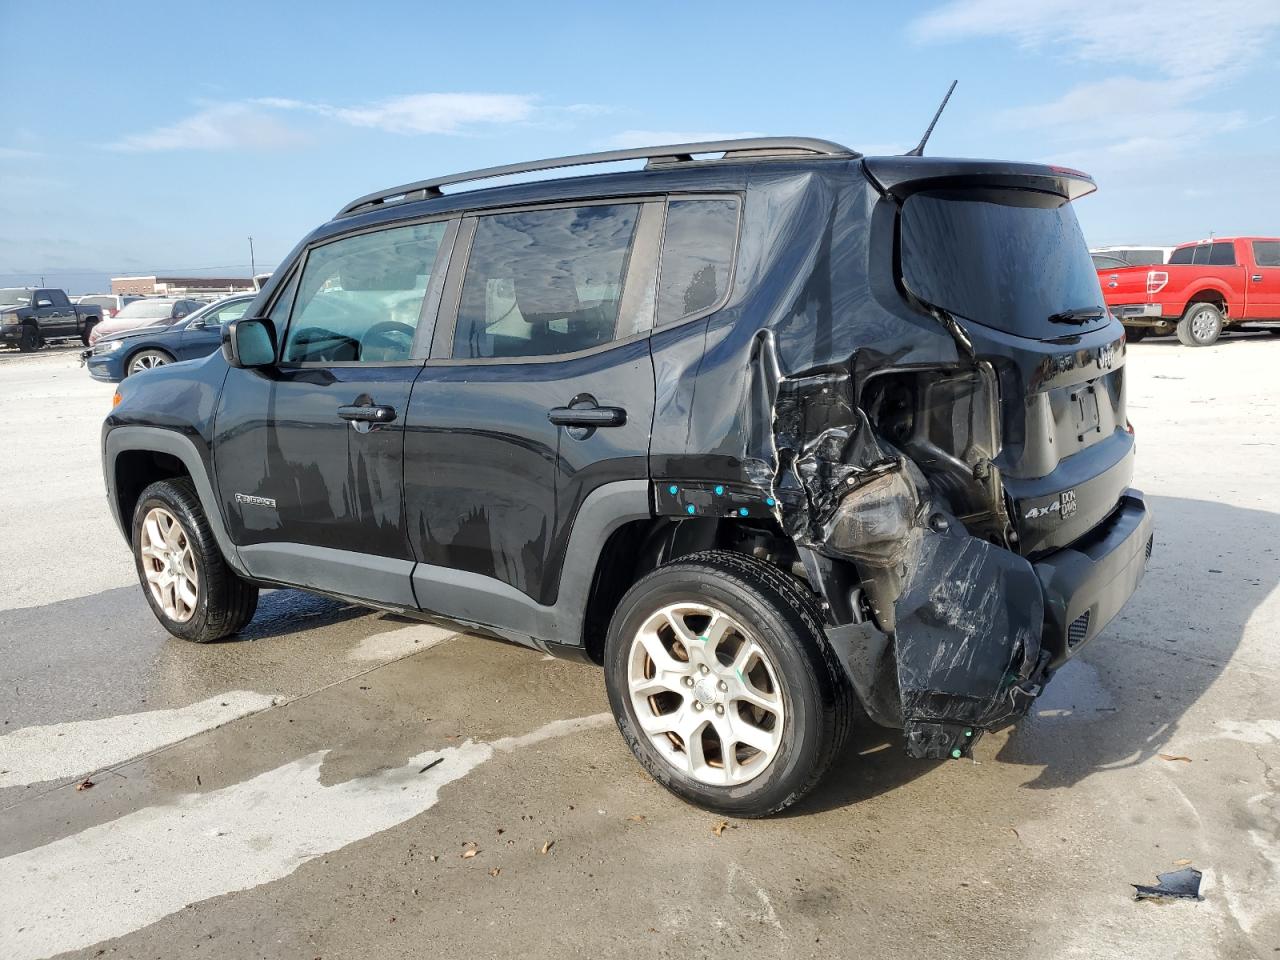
{"x":919,"y":148}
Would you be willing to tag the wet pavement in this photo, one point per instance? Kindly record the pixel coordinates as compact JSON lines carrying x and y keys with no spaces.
{"x":313,"y":788}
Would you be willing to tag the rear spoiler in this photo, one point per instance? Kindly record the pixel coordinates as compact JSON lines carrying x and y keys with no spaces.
{"x":903,"y":176}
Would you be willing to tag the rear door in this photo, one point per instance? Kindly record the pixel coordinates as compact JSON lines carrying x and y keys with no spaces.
{"x":309,"y":451}
{"x":539,"y":390}
{"x":1264,"y":280}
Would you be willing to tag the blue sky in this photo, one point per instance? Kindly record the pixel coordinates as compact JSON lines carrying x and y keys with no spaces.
{"x":159,"y":136}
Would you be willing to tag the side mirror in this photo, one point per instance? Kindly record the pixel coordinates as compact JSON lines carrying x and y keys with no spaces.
{"x":249,"y":343}
{"x":196,"y":324}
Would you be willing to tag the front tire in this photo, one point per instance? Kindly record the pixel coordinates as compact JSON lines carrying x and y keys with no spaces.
{"x":186,"y":581}
{"x":1200,"y":326}
{"x":29,"y":341}
{"x":146,"y":360}
{"x":723,"y":683}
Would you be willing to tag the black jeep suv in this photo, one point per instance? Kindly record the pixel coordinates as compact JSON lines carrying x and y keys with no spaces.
{"x":776,"y":433}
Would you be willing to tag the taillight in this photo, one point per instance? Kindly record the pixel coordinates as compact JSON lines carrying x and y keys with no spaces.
{"x":1156,"y":279}
{"x":112,"y":311}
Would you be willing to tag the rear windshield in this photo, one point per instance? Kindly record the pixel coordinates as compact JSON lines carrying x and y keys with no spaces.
{"x":1007,"y":259}
{"x":146,"y":310}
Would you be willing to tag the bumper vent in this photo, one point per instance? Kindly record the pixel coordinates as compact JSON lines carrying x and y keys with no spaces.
{"x":1078,"y":630}
{"x":1150,"y":542}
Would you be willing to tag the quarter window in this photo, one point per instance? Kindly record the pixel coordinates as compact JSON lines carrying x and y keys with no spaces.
{"x":697,"y":256}
{"x":360,"y":298}
{"x":1182,"y":255}
{"x":544,"y":282}
{"x":1266,"y":253}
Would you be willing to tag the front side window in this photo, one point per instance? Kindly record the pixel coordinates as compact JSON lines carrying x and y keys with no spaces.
{"x":1266,"y":253}
{"x":360,"y":297}
{"x":544,"y":282}
{"x":225,"y":314}
{"x":697,"y":257}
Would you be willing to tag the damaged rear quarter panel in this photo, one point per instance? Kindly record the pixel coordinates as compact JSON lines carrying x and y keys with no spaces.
{"x":780,"y":372}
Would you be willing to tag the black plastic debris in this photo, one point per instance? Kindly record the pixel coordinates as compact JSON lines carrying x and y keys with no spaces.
{"x":1181,"y":884}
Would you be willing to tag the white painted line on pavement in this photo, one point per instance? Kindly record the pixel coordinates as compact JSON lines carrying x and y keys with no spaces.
{"x":394,"y":644}
{"x":121,"y":876}
{"x":37,"y":754}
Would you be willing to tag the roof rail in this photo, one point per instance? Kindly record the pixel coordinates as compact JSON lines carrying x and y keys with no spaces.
{"x":752,"y":148}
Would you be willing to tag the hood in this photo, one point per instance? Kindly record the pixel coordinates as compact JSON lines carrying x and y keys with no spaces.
{"x":116,"y":328}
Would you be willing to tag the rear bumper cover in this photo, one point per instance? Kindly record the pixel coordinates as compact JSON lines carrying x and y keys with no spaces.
{"x":1085,"y":584}
{"x":1137,"y":311}
{"x":980,"y":629}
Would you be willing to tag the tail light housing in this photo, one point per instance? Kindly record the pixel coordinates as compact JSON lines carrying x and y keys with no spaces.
{"x":111,"y":312}
{"x":1156,"y":280}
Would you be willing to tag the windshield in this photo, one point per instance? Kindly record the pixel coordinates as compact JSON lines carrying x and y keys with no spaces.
{"x":146,"y":310}
{"x":14,"y":296}
{"x":1008,"y":259}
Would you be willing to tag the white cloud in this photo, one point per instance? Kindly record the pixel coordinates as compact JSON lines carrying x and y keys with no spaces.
{"x":439,"y":112}
{"x":649,"y":138}
{"x":1168,"y":56}
{"x":1177,"y":38}
{"x":224,"y":126}
{"x":17,"y":153}
{"x":256,"y":123}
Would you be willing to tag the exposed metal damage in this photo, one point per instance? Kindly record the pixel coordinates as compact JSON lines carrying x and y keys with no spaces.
{"x":890,"y":475}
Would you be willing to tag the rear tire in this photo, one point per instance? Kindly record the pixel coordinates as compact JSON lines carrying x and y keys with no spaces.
{"x":757,"y":683}
{"x":186,"y":581}
{"x":1134,"y":334}
{"x":88,"y":330}
{"x":29,"y":341}
{"x":1200,"y":326}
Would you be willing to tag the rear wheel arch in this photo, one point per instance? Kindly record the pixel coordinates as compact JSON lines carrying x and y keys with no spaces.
{"x":1209,"y":295}
{"x":639,"y":547}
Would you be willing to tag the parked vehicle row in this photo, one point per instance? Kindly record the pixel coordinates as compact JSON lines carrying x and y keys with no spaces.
{"x":662,"y":420}
{"x":151,"y":311}
{"x":1204,"y":287}
{"x":122,"y":353}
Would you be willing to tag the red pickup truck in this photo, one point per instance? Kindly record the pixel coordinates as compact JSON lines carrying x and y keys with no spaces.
{"x":1205,"y":286}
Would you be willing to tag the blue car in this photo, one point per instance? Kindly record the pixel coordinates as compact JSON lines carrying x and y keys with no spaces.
{"x":123,"y":354}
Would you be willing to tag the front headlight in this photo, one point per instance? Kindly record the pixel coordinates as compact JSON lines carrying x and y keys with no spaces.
{"x":107,"y":346}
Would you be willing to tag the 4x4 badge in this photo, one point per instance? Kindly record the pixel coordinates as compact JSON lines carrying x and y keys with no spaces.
{"x":1064,"y":506}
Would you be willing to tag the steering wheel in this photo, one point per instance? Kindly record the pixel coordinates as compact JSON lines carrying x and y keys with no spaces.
{"x":313,"y":344}
{"x":391,"y":332}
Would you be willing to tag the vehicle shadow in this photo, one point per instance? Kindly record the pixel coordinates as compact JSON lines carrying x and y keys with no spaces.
{"x":1230,"y":337}
{"x":288,"y":611}
{"x":10,"y":354}
{"x":1120,"y":702}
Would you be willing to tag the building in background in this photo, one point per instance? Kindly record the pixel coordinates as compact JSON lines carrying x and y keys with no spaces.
{"x":181,"y":286}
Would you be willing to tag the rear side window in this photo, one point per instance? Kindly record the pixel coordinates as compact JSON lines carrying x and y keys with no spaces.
{"x":544,"y":282}
{"x":360,"y":297}
{"x":1266,"y":253}
{"x":1222,"y":254}
{"x":697,"y":257}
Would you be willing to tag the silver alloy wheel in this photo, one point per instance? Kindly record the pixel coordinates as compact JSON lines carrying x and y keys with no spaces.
{"x":169,"y":565}
{"x":1203,"y":324}
{"x":706,"y":694}
{"x":146,"y":361}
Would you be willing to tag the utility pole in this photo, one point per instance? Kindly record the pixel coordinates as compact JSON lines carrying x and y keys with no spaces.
{"x":253,"y":266}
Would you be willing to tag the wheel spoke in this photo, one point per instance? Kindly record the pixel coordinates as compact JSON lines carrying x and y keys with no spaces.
{"x":713,"y":696}
{"x":168,"y":565}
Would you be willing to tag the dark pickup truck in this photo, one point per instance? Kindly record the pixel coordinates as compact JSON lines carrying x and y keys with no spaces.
{"x":30,"y":317}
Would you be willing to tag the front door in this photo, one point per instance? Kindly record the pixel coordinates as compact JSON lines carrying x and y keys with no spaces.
{"x":309,"y":451}
{"x":539,"y":388}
